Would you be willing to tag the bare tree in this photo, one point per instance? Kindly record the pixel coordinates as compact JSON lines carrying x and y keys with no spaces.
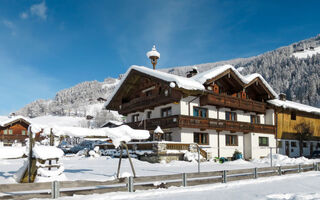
{"x":304,"y":133}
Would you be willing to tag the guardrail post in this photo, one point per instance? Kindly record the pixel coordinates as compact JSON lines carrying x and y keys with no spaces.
{"x":184,"y":180}
{"x":130,"y":184}
{"x":315,"y":166}
{"x":224,"y":176}
{"x":255,"y":173}
{"x":299,"y":169}
{"x":55,"y":190}
{"x":279,"y":171}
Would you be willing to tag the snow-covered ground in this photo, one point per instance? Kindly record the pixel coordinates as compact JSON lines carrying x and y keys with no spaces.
{"x":104,"y":168}
{"x":307,"y":53}
{"x":303,"y":186}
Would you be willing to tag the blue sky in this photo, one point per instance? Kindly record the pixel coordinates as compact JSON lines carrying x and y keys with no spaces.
{"x":46,"y":46}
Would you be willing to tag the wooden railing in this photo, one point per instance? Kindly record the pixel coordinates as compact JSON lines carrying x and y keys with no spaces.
{"x":205,"y":123}
{"x":141,"y":103}
{"x":177,"y":146}
{"x":235,"y":126}
{"x":232,"y":102}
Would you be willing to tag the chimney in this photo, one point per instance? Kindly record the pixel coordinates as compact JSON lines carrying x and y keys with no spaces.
{"x":282,"y":96}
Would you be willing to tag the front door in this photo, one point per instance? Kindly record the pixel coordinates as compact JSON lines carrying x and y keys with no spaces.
{"x":287,"y":148}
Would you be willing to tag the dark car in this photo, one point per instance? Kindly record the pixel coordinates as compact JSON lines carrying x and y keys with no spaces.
{"x":315,"y":154}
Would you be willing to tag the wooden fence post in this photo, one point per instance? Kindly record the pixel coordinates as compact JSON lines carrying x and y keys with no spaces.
{"x":55,"y":190}
{"x":279,"y":171}
{"x":184,"y":180}
{"x":255,"y":172}
{"x":224,"y":176}
{"x":130,"y":184}
{"x":299,"y":169}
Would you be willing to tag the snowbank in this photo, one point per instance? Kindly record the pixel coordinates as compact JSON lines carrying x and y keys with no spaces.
{"x":47,"y":152}
{"x":279,"y":160}
{"x":12,"y":152}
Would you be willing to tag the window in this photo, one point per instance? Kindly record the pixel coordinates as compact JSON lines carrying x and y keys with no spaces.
{"x":10,"y":132}
{"x":165,"y":112}
{"x":305,"y":145}
{"x":166,"y":136}
{"x":149,"y":93}
{"x":148,"y":114}
{"x":135,"y":118}
{"x":263,"y":141}
{"x":5,"y":131}
{"x":23,"y":132}
{"x":201,"y":138}
{"x":255,"y":119}
{"x":200,"y":112}
{"x":293,"y":144}
{"x":293,"y":116}
{"x":231,"y":140}
{"x":232,"y":116}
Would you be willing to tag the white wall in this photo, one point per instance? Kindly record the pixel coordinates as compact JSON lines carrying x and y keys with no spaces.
{"x":261,"y":151}
{"x":227,"y":151}
{"x":269,"y":119}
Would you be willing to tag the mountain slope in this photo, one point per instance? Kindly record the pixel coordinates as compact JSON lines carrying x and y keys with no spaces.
{"x":293,"y":70}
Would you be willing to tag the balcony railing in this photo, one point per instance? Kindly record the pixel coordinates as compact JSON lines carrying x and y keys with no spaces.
{"x":232,"y":102}
{"x":142,"y":103}
{"x":202,"y":123}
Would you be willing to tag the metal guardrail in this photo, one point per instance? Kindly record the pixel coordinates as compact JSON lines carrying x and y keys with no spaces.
{"x":130,"y":184}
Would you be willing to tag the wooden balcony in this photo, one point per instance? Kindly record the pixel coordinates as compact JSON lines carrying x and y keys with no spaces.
{"x":232,"y":102}
{"x":142,"y":103}
{"x":203,"y":123}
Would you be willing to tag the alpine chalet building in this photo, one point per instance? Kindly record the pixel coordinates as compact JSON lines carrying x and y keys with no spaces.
{"x":220,"y":109}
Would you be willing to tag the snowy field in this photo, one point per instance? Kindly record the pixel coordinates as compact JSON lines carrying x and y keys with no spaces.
{"x":305,"y":186}
{"x":104,"y":168}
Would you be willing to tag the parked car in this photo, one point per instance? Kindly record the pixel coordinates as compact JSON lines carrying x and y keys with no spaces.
{"x":315,"y":154}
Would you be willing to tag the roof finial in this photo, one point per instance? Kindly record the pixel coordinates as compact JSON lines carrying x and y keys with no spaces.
{"x":153,"y":55}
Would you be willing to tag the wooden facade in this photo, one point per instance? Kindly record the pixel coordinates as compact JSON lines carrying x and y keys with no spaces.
{"x":16,"y":131}
{"x":288,"y":119}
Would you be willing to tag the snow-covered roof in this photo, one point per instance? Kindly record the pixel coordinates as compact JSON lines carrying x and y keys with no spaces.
{"x":294,"y":105}
{"x":181,"y":82}
{"x":153,"y":52}
{"x":4,"y":121}
{"x":158,"y":130}
{"x":206,"y":75}
{"x":118,"y":123}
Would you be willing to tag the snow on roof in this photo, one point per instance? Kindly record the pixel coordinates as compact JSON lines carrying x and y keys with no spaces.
{"x":153,"y":52}
{"x":50,"y":120}
{"x":4,"y":121}
{"x":206,"y":75}
{"x":122,"y":133}
{"x":181,"y":82}
{"x":158,"y":130}
{"x":294,"y":105}
{"x":118,"y":123}
{"x":47,"y":152}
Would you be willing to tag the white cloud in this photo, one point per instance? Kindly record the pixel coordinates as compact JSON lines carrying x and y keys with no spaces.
{"x":10,"y":26}
{"x":24,"y":15}
{"x":38,"y":10}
